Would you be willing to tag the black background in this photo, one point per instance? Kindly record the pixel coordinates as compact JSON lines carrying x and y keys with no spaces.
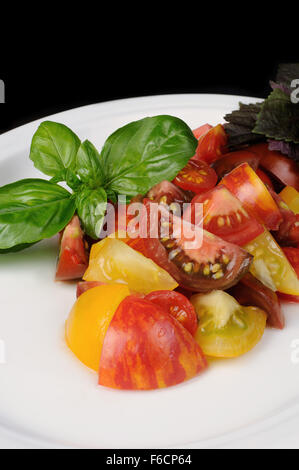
{"x":214,"y":68}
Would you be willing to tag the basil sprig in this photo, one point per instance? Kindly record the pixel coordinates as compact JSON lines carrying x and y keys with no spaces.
{"x":133,"y":159}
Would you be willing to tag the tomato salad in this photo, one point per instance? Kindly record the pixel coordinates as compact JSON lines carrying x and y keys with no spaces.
{"x":151,"y":309}
{"x":180,"y":307}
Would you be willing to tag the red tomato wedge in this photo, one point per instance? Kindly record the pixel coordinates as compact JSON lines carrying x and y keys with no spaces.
{"x":293,"y":256}
{"x":224,"y":216}
{"x":166,"y":193}
{"x":283,"y":168}
{"x":212,"y":145}
{"x":212,"y":263}
{"x":196,"y":176}
{"x":231,"y":160}
{"x":250,"y":291}
{"x":244,"y":183}
{"x":73,"y":257}
{"x":178,"y":306}
{"x":146,"y":348}
{"x":201,"y":130}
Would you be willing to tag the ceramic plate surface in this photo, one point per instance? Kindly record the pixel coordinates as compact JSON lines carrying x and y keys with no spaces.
{"x":49,"y":399}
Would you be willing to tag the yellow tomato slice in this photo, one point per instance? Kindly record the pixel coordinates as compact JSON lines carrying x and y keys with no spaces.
{"x":291,"y":198}
{"x":111,"y":261}
{"x":89,"y":320}
{"x":226,"y":329}
{"x":271,"y":266}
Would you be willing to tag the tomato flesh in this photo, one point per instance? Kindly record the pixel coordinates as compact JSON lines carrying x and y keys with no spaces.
{"x":73,"y":256}
{"x":291,"y":197}
{"x":224,"y":216}
{"x":288,"y":232}
{"x":196,"y":176}
{"x":176,"y":305}
{"x":212,"y":145}
{"x":146,"y":348}
{"x":231,"y":160}
{"x":292,"y":255}
{"x":244,"y":183}
{"x":283,"y":168}
{"x":226,"y":329}
{"x":250,"y":291}
{"x":213,"y":264}
{"x":271,"y":266}
{"x":201,"y":130}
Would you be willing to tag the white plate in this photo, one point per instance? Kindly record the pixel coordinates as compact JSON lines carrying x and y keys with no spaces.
{"x":49,"y":399}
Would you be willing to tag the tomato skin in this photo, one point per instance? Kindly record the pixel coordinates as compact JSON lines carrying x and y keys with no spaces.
{"x":283,"y":168}
{"x":166,"y":193}
{"x":146,"y":348}
{"x":265,"y":178}
{"x":176,"y":305}
{"x":244,"y":183}
{"x":201,"y":130}
{"x":271,"y":266}
{"x":226,"y":329}
{"x":288,"y":232}
{"x":231,"y":160}
{"x":197,"y":177}
{"x":212,"y":145}
{"x":250,"y":291}
{"x":73,"y":256}
{"x":293,"y":256}
{"x":83,"y":286}
{"x":195,"y":269}
{"x":224,"y":216}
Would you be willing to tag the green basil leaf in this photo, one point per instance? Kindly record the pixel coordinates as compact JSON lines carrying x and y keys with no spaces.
{"x":88,"y":165}
{"x":53,"y":149}
{"x":31,"y":210}
{"x":145,"y":152}
{"x":91,"y":207}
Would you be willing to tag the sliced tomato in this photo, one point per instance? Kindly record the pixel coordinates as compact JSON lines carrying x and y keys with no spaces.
{"x":288,"y":232}
{"x":231,"y":160}
{"x":178,"y":306}
{"x":226,"y":329}
{"x":196,"y":176}
{"x":83,"y":286}
{"x":224,"y":216}
{"x":280,"y":166}
{"x":73,"y":255}
{"x":212,"y":264}
{"x":146,"y":348}
{"x":265,"y":178}
{"x":292,"y":255}
{"x":244,"y":183}
{"x":212,"y":145}
{"x":250,"y":291}
{"x":291,"y":198}
{"x":167,"y":193}
{"x":201,"y":130}
{"x":271,"y":266}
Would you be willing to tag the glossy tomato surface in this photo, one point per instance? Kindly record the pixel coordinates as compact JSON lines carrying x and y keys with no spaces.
{"x":250,"y":291}
{"x":244,"y":183}
{"x":224,"y":216}
{"x":196,"y":176}
{"x":292,"y":255}
{"x":283,"y":168}
{"x":146,"y":348}
{"x":212,"y":145}
{"x":176,"y":305}
{"x":208,"y":263}
{"x":73,"y":256}
{"x":231,"y":160}
{"x":226,"y":329}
